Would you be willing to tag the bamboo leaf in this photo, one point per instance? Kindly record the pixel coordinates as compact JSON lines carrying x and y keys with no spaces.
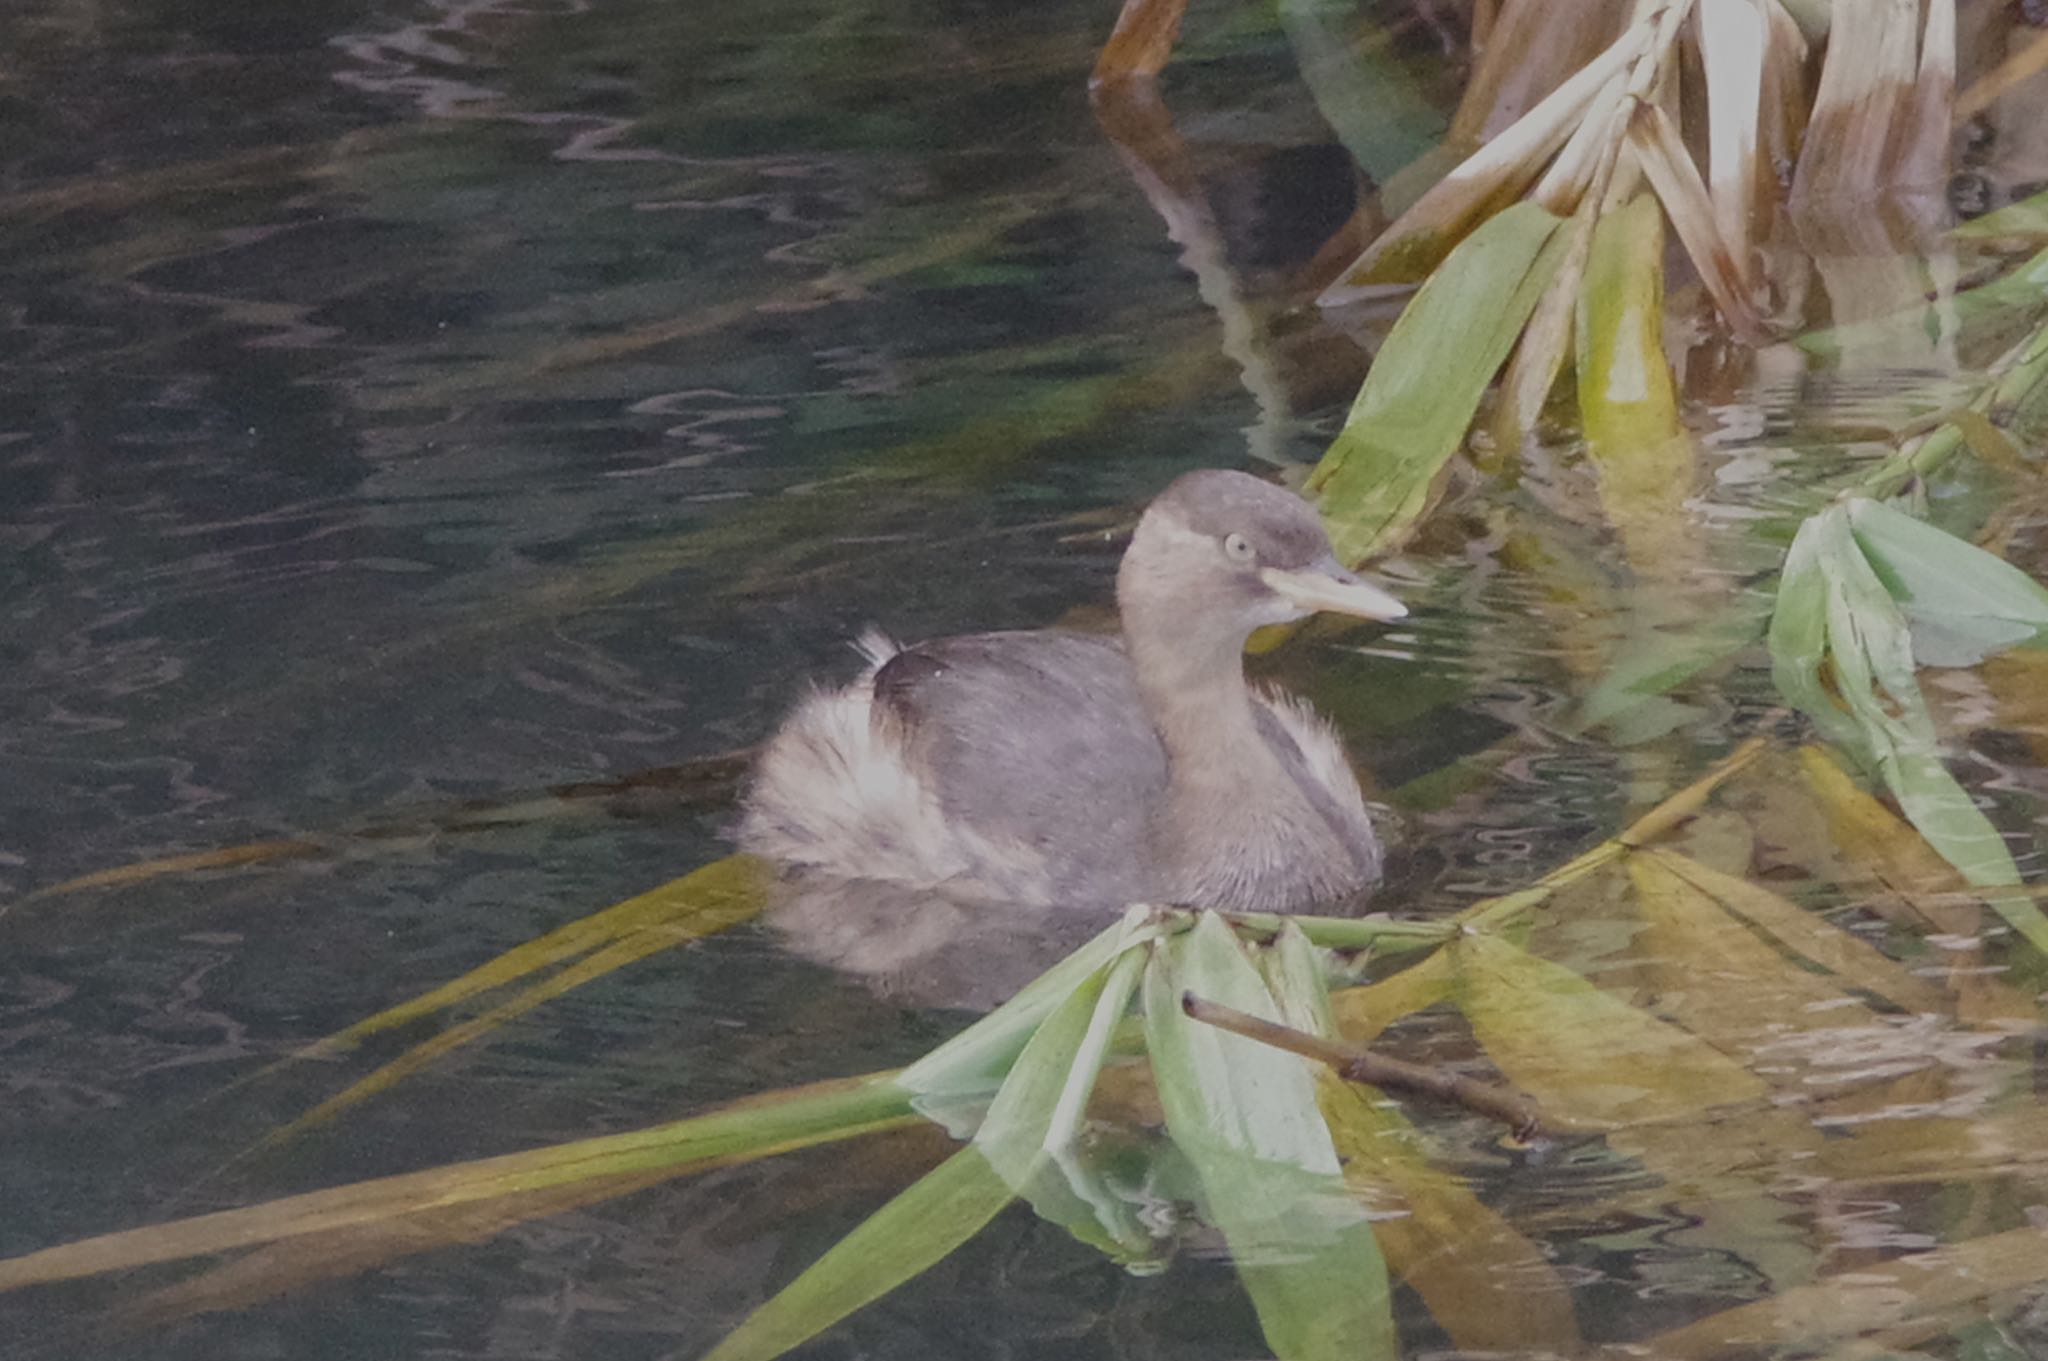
{"x":141,"y":871}
{"x":1424,"y":387}
{"x":1583,"y":1055}
{"x":914,"y":1231}
{"x":1831,"y":587}
{"x":1424,"y":235}
{"x":1669,"y":168}
{"x":1920,"y":142}
{"x":1028,"y":1135}
{"x":1627,"y":402}
{"x":1866,"y":83}
{"x":1362,"y":1013}
{"x":1488,"y":1287}
{"x":1731,"y":42}
{"x":1798,"y":639}
{"x":1848,"y":957}
{"x":1546,"y":338}
{"x":708,"y":900}
{"x":1963,"y":603}
{"x":720,"y":894}
{"x":2022,"y":219}
{"x":1865,"y":1298}
{"x":1716,"y":977}
{"x":1654,"y":660}
{"x":1294,"y":974}
{"x":756,"y":1127}
{"x":1247,"y":1119}
{"x":1626,"y":397}
{"x":1993,"y":309}
{"x":954,"y":1082}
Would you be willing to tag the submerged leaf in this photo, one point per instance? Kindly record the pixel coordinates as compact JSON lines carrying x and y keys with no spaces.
{"x":1028,"y":1135}
{"x":1866,"y":1298}
{"x":1627,"y":401}
{"x":1583,"y":1055}
{"x":1362,"y":1013}
{"x":1908,"y":882}
{"x":704,"y":901}
{"x":719,"y":895}
{"x":1848,"y":957}
{"x":141,"y":871}
{"x":1410,"y":417}
{"x":1489,"y":1288}
{"x":1716,"y":977}
{"x":1626,"y":397}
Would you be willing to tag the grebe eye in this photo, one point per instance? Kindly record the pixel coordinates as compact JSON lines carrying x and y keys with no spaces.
{"x":1238,"y":547}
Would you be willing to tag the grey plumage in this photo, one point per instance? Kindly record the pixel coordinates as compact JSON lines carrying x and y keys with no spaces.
{"x":1066,"y":770}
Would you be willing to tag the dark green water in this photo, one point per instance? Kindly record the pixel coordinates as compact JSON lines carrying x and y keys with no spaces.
{"x":408,"y":405}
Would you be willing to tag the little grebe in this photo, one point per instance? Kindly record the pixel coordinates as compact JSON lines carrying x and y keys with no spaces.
{"x":1066,"y":769}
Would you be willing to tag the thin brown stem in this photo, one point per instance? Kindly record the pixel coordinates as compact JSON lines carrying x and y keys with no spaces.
{"x":1518,"y":1112}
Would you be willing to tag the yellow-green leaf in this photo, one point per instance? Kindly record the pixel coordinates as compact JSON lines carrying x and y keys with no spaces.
{"x":1584,"y":1056}
{"x":1848,"y":957}
{"x":1626,"y":398}
{"x":756,"y":1127}
{"x":1425,"y":384}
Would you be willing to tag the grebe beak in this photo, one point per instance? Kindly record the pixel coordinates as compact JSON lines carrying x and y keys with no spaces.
{"x":1326,"y":585}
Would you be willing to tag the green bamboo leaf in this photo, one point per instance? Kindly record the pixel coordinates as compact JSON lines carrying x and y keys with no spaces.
{"x":1963,"y":603}
{"x":920,"y":1227}
{"x":1798,"y":638}
{"x":1247,"y":1119}
{"x":1028,"y":1135}
{"x":953,"y":1083}
{"x":1834,"y":608}
{"x":1295,"y":975}
{"x":1581,"y":1053}
{"x":1410,"y":417}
